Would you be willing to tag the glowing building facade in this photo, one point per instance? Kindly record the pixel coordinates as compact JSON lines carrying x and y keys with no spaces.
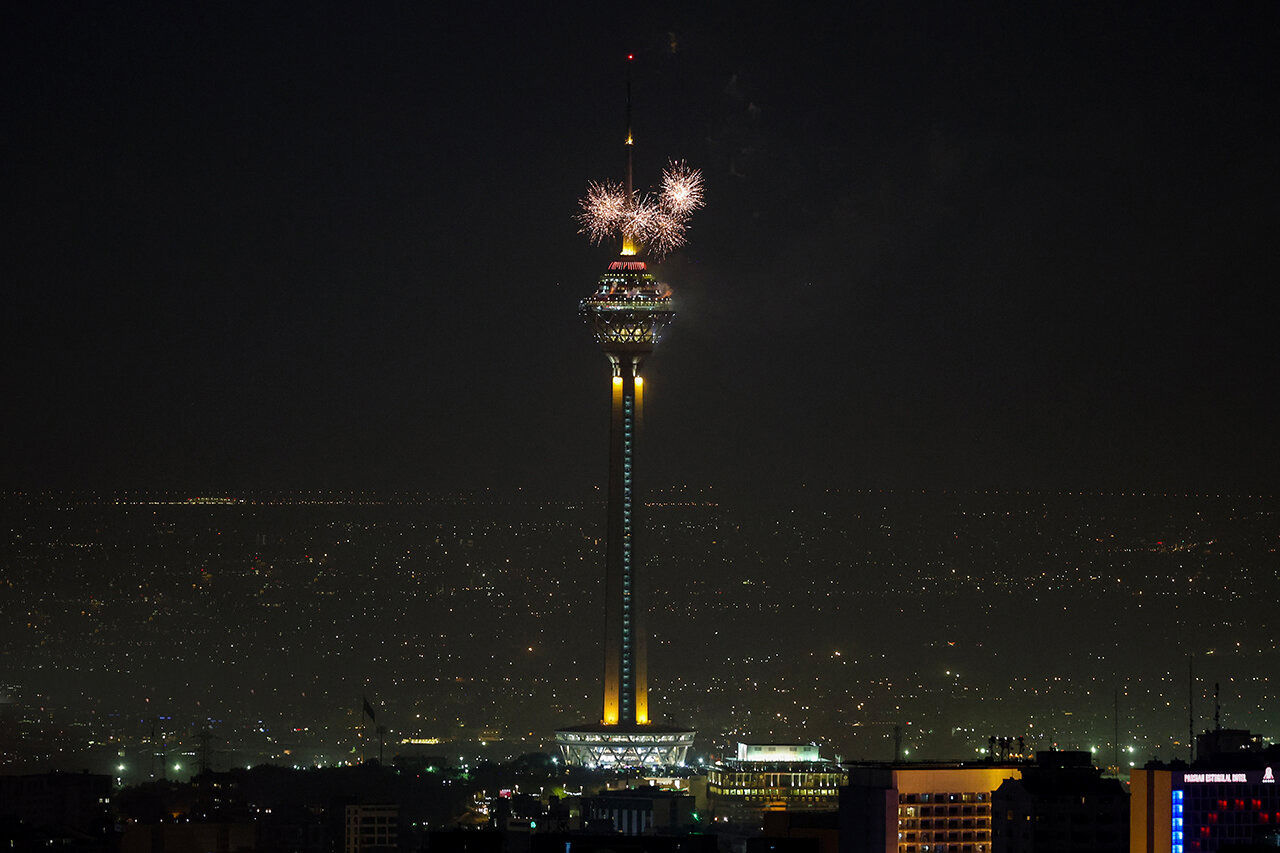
{"x":920,"y":807}
{"x":772,"y":777}
{"x":1228,"y":799}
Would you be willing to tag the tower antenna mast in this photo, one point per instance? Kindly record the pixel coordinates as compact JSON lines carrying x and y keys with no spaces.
{"x":657,"y":222}
{"x":629,"y":240}
{"x":630,"y":144}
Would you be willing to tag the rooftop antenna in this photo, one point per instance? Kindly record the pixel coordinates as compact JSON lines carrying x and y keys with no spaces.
{"x":1217,"y":709}
{"x":1115,"y":719}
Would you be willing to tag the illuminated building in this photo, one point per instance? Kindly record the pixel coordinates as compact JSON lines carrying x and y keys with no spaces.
{"x":772,"y":777}
{"x":1060,"y":804}
{"x":920,"y":807}
{"x":1227,"y":799}
{"x":628,"y":313}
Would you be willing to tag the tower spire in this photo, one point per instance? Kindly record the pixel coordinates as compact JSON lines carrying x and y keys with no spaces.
{"x":630,"y":143}
{"x":629,"y":242}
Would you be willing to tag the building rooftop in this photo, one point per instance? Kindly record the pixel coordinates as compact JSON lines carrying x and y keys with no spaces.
{"x":778,"y":752}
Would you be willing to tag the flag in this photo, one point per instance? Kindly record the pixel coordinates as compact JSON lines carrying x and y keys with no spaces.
{"x":368,"y":709}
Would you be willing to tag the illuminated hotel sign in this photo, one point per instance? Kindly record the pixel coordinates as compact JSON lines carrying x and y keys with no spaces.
{"x":1253,"y":777}
{"x":1215,"y":777}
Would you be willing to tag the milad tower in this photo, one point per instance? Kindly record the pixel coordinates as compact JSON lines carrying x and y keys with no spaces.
{"x":628,"y":311}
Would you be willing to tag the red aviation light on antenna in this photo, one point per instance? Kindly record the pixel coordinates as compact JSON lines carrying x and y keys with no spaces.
{"x":631,"y":57}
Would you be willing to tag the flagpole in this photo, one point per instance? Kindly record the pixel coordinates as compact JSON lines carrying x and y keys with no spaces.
{"x":366,"y":708}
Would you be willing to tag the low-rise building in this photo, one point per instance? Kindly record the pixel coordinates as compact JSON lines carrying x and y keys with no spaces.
{"x":1061,"y":804}
{"x":77,"y":801}
{"x":372,"y":828}
{"x":214,"y":837}
{"x":641,"y":811}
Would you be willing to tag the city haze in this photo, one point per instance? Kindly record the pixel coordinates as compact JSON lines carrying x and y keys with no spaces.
{"x":474,"y":622}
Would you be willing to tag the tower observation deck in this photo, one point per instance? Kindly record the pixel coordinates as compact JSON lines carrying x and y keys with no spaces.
{"x":628,"y":312}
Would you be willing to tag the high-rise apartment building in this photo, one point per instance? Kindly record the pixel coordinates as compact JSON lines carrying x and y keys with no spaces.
{"x":920,"y":807}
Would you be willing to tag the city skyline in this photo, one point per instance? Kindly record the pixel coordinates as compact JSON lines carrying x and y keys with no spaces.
{"x":967,"y":427}
{"x":470,"y":619}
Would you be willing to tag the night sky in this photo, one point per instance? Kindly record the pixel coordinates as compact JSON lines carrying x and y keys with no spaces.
{"x":323,"y":245}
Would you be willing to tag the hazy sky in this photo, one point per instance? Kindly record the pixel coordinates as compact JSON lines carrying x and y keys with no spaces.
{"x":966,"y":245}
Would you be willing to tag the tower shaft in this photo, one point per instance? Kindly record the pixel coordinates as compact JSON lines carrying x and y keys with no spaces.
{"x":626,"y":692}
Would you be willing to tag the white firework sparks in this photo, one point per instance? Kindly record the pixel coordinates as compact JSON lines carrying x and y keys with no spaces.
{"x":604,"y":209}
{"x":681,"y":188}
{"x":660,"y":223}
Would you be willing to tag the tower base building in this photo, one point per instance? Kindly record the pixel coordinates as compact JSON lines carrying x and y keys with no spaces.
{"x":624,"y":746}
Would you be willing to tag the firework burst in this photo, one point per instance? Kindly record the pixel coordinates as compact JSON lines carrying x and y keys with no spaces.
{"x":660,"y":221}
